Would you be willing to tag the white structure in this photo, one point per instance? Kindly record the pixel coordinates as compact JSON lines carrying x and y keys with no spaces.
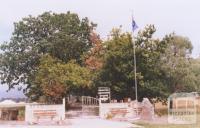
{"x":9,"y":110}
{"x":132,"y":110}
{"x":90,"y":106}
{"x":36,"y":113}
{"x":182,"y":108}
{"x":33,"y":112}
{"x":89,"y":101}
{"x":124,"y":111}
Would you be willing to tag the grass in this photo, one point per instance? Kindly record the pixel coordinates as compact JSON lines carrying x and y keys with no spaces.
{"x":148,"y":125}
{"x":159,"y":125}
{"x":162,"y":111}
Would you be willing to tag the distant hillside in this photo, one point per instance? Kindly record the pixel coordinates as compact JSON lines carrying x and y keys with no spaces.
{"x":15,"y":99}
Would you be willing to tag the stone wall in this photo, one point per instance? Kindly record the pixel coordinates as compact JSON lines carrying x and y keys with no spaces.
{"x":36,"y":113}
{"x":128,"y":110}
{"x":117,"y":110}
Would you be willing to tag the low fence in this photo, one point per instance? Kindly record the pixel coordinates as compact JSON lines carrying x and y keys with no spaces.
{"x":90,"y":106}
{"x":35,"y":113}
{"x":128,"y":111}
{"x":90,"y":101}
{"x":119,"y":110}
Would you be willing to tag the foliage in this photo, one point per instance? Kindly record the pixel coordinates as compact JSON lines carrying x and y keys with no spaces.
{"x":93,"y":59}
{"x":162,"y":65}
{"x":60,"y":54}
{"x":63,"y":36}
{"x":192,"y":78}
{"x":21,"y":114}
{"x":54,"y":79}
{"x":148,"y":53}
{"x":175,"y":64}
{"x":109,"y":116}
{"x":118,"y":70}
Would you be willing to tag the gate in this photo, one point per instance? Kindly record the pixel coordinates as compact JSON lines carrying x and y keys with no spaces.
{"x":90,"y":106}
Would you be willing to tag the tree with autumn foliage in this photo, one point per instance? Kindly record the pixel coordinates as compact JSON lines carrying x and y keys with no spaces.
{"x":54,"y":80}
{"x":93,"y":60}
{"x":53,"y":55}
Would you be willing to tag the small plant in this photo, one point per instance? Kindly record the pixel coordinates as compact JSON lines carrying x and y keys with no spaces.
{"x":161,"y":112}
{"x":21,"y":114}
{"x":109,"y":116}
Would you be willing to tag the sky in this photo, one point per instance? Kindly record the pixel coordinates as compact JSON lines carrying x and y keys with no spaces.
{"x":179,"y":16}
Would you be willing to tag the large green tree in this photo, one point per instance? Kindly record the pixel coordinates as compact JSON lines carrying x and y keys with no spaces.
{"x":176,"y":63}
{"x":194,"y":76}
{"x":118,"y":70}
{"x":64,"y":36}
{"x":55,"y":80}
{"x":148,"y":55}
{"x":162,"y":65}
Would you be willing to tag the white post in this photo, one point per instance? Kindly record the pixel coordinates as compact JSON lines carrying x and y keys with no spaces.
{"x":100,"y":108}
{"x":63,"y":115}
{"x":28,"y":114}
{"x":64,"y":102}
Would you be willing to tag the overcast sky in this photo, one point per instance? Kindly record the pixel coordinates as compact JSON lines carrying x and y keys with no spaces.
{"x":179,"y":16}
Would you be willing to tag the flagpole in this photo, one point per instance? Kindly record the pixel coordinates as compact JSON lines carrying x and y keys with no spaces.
{"x":134,"y":27}
{"x":134,"y":56}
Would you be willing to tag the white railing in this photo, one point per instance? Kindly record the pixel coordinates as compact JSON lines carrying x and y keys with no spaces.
{"x":90,"y":101}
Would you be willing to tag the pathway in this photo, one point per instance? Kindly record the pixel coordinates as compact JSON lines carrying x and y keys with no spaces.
{"x":78,"y":123}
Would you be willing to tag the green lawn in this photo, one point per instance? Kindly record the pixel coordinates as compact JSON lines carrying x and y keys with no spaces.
{"x":155,"y":124}
{"x":147,"y":125}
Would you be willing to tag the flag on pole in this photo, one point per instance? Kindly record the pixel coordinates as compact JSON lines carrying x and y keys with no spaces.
{"x":134,"y":25}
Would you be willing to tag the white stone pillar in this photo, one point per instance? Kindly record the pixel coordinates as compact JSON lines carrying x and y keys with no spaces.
{"x":63,"y":111}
